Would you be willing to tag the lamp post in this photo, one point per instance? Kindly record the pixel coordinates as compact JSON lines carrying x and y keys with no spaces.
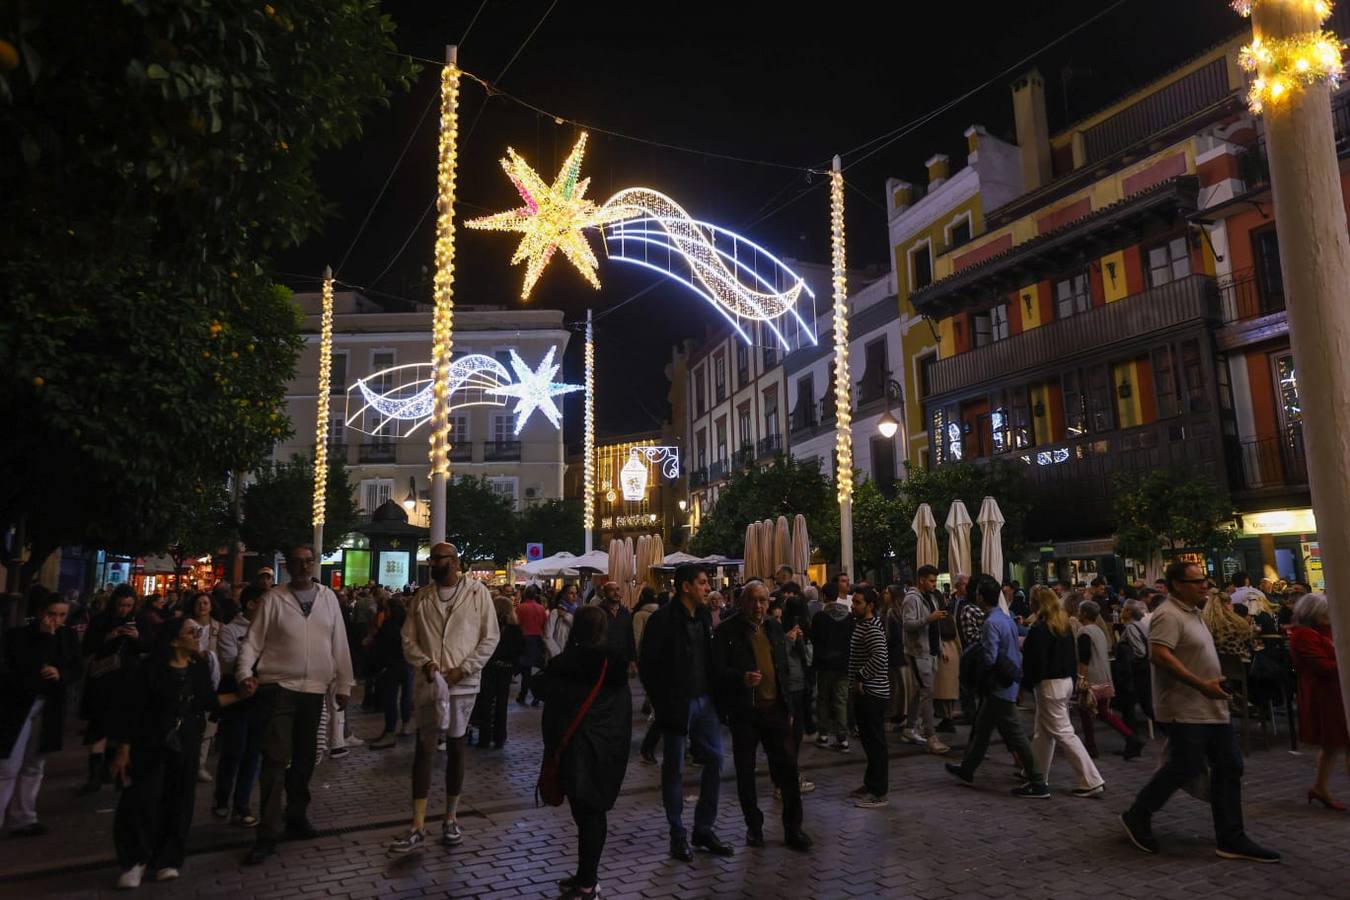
{"x":888,"y":425}
{"x":410,"y":501}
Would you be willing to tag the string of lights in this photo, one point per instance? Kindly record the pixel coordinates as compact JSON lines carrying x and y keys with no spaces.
{"x":1282,"y":66}
{"x":321,"y":418}
{"x":442,"y":341}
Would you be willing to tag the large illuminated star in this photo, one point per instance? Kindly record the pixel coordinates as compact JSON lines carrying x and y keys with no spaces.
{"x":553,"y":217}
{"x":535,"y":389}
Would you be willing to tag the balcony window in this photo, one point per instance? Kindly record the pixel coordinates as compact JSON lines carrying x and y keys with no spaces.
{"x":1075,"y":404}
{"x":1165,"y":383}
{"x":999,"y":431}
{"x":1073,"y":295}
{"x":1269,"y":277}
{"x":1099,"y":394}
{"x":770,"y":413}
{"x":1291,"y":409}
{"x":959,"y":234}
{"x":742,"y":365}
{"x":503,"y":428}
{"x":701,"y":390}
{"x":875,"y":372}
{"x":920,"y":267}
{"x":720,"y":377}
{"x":982,"y":329}
{"x":1168,"y":262}
{"x":1193,"y":372}
{"x":743,"y":426}
{"x":337,"y":373}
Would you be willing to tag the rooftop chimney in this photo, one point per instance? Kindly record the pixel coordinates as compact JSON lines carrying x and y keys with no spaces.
{"x":899,"y":196}
{"x":938,"y":168}
{"x":1033,"y":130}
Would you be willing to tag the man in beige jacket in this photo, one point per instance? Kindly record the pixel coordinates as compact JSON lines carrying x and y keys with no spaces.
{"x":450,"y":633}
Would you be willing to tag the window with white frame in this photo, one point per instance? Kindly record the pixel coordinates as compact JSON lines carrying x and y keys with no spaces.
{"x":374,"y":492}
{"x":998,"y":322}
{"x":920,"y":266}
{"x":379,"y":361}
{"x":503,"y":427}
{"x":459,"y":428}
{"x":1168,"y":262}
{"x":337,"y":429}
{"x":1073,"y":295}
{"x":958,"y":232}
{"x":507,"y":486}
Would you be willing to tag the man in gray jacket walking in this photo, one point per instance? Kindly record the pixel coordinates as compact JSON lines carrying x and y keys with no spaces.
{"x":920,"y":616}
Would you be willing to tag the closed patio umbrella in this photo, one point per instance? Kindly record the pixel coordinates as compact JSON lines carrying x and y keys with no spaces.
{"x":782,"y":545}
{"x":925,"y":532}
{"x":991,"y":543}
{"x":958,"y":539}
{"x":801,"y":548}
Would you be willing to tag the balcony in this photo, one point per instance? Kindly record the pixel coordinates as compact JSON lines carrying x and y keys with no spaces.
{"x":827,"y":411}
{"x":769,"y":446}
{"x":1243,"y":297}
{"x":721,"y":393}
{"x":461,"y":453}
{"x":872,"y":387}
{"x":384,"y":452}
{"x":717,"y":472}
{"x":698,"y":478}
{"x":803,"y":418}
{"x":744,"y":457}
{"x":1270,"y":463}
{"x":501,"y":451}
{"x":1193,"y":298}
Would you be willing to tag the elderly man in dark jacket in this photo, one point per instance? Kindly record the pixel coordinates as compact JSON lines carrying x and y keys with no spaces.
{"x":37,"y":663}
{"x":675,"y":664}
{"x":750,"y":683}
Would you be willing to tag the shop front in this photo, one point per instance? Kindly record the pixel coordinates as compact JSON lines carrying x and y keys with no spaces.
{"x":1278,"y":545}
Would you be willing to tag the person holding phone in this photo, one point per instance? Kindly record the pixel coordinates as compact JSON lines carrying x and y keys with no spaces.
{"x":922,"y":616}
{"x":1191,"y":702}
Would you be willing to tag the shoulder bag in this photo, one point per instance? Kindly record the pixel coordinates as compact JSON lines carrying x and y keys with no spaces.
{"x":549,"y":787}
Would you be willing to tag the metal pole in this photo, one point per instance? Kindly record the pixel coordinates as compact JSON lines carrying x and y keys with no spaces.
{"x":321,"y":417}
{"x":843,"y":397}
{"x":588,"y":443}
{"x":1315,"y":259}
{"x":442,"y":330}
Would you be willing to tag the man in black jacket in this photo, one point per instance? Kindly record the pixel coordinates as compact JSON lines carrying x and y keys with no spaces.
{"x":675,"y":664}
{"x":750,"y":672}
{"x":37,"y":664}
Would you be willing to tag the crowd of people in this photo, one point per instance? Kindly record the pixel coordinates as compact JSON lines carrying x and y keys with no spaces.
{"x":266,"y":676}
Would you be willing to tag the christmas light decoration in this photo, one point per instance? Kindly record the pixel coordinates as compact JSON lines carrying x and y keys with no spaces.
{"x":443,"y":284}
{"x":667,"y":457}
{"x":735,"y":280}
{"x":406,"y":393}
{"x":843,"y":442}
{"x":1283,"y":66}
{"x":321,"y":424}
{"x":633,"y":478}
{"x":588,"y":439}
{"x":535,"y":389}
{"x":553,"y":218}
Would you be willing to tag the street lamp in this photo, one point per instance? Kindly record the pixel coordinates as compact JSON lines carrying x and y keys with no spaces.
{"x":410,"y":501}
{"x":682,"y":504}
{"x":888,"y":424}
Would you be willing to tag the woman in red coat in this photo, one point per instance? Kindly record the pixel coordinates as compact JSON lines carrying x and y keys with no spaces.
{"x":1321,"y":717}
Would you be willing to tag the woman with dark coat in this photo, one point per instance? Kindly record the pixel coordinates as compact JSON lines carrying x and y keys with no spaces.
{"x":112,"y":647}
{"x":595,"y":760}
{"x":394,"y":677}
{"x":159,"y":726}
{"x":489,"y":711}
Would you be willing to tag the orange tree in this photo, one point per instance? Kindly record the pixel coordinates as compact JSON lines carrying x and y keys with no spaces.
{"x":154,"y":156}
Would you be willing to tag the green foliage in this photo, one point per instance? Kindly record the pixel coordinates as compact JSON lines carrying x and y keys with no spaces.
{"x":554,"y":523}
{"x":278,"y":508}
{"x":207,"y":525}
{"x":480,"y":521}
{"x":879,"y":525}
{"x":1162,"y":510}
{"x":154,"y":156}
{"x":787,"y":487}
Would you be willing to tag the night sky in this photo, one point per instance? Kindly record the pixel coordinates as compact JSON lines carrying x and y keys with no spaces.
{"x":738,"y":79}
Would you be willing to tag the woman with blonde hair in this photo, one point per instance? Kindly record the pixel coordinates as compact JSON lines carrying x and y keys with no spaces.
{"x":1049,"y":664}
{"x":1232,"y":633}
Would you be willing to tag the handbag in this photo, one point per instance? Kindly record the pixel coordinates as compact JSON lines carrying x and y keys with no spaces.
{"x":549,"y":787}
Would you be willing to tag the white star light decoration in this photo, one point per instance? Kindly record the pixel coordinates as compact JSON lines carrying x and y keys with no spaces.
{"x":536,"y":389}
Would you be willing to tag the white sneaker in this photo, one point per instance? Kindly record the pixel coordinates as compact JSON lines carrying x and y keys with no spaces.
{"x":354,"y":741}
{"x":131,"y":878}
{"x":168,"y":873}
{"x":415,"y":839}
{"x":822,"y":740}
{"x":204,"y":776}
{"x":440,"y":745}
{"x":450,"y":833}
{"x":338,"y":752}
{"x":807,"y":786}
{"x":910,"y":736}
{"x":936,"y":746}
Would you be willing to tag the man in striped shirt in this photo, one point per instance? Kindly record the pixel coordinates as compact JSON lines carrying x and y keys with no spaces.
{"x":869,"y":672}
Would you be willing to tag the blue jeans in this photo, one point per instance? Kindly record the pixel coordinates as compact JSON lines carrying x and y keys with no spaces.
{"x":1189,"y":747}
{"x":239,"y":740}
{"x":706,"y":733}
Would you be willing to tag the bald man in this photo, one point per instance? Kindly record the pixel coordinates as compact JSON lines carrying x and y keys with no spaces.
{"x":450,"y":632}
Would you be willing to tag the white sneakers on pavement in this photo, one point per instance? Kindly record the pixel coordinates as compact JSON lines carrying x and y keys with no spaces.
{"x":131,"y":878}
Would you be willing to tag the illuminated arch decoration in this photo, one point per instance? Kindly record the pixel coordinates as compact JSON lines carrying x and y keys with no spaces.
{"x":644,"y":227}
{"x":396,"y":402}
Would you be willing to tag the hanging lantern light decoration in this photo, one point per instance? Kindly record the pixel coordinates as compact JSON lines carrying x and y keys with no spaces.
{"x":633,"y":478}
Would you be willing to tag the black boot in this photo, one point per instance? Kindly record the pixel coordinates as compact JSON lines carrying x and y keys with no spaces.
{"x":95,"y":781}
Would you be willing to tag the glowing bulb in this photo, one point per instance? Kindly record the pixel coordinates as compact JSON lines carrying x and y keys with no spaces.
{"x":442,"y":323}
{"x":888,"y":426}
{"x":1302,"y":64}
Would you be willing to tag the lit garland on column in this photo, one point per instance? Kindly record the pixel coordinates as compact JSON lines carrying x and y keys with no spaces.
{"x":843,"y":448}
{"x":442,"y":340}
{"x":321,"y":425}
{"x":588,"y":439}
{"x":1282,"y":66}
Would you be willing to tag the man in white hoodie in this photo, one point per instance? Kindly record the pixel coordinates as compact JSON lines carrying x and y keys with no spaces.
{"x":298,"y":644}
{"x":450,"y":633}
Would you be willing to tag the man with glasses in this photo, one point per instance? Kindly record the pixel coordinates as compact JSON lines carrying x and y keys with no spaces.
{"x":450,"y":633}
{"x":1191,"y":703}
{"x":298,"y":643}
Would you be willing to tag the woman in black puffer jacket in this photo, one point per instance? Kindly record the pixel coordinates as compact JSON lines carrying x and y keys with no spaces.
{"x":596,"y":759}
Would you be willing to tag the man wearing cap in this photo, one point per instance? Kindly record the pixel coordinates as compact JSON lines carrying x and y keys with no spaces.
{"x":450,"y":633}
{"x":265,"y":578}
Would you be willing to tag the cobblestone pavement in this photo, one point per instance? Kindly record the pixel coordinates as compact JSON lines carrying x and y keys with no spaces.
{"x":934,"y":841}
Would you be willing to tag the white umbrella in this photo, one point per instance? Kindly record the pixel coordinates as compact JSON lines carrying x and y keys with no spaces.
{"x":782,"y":545}
{"x":801,"y":548}
{"x":766,"y":541}
{"x":991,"y":543}
{"x":751,"y":551}
{"x":655,"y":558}
{"x":925,"y":530}
{"x":548,"y":567}
{"x":630,"y":568}
{"x":596,"y":559}
{"x":678,"y":558}
{"x":958,"y":539}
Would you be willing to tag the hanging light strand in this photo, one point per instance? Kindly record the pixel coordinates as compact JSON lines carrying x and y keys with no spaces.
{"x":442,"y":340}
{"x":321,"y":423}
{"x":843,"y":449}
